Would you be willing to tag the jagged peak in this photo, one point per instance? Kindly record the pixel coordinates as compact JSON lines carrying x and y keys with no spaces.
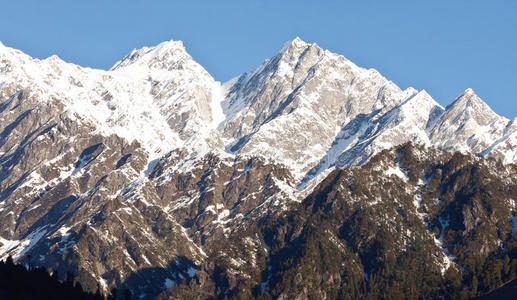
{"x":420,"y":102}
{"x":296,"y":43}
{"x":468,"y":91}
{"x":430,"y":99}
{"x":467,"y":97}
{"x":146,"y":54}
{"x":425,"y":95}
{"x":53,"y":57}
{"x":469,"y":106}
{"x":168,"y":45}
{"x":469,"y":100}
{"x":410,"y":90}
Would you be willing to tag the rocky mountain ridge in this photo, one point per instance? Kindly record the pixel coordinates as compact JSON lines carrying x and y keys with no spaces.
{"x":412,"y":223}
{"x":133,"y":176}
{"x":308,"y":98}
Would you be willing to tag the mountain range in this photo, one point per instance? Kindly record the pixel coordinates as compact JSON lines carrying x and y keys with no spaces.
{"x":154,"y":176}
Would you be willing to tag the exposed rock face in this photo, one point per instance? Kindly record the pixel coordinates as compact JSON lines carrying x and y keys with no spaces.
{"x":293,"y":106}
{"x":468,"y":124}
{"x":410,"y":215}
{"x":86,"y":185}
{"x":153,"y":172}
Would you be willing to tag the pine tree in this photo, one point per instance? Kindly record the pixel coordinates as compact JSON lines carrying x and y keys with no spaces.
{"x":506,"y":266}
{"x":474,"y":289}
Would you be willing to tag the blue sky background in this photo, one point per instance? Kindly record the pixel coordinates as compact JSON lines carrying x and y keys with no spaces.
{"x":443,"y":47}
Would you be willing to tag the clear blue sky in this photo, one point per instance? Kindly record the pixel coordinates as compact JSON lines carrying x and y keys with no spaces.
{"x":443,"y":47}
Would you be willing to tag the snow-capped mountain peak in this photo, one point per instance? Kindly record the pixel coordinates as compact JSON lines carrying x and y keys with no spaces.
{"x":469,"y":105}
{"x":165,"y":55}
{"x":294,"y":108}
{"x":468,"y":124}
{"x":421,"y":101}
{"x":294,"y":43}
{"x":155,"y":143}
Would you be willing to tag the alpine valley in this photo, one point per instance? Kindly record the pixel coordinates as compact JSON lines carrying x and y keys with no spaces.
{"x":308,"y":178}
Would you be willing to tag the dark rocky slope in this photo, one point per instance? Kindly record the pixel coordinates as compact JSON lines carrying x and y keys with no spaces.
{"x":365,"y":232}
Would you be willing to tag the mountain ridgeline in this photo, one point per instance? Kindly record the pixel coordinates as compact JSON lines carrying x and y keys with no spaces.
{"x":308,"y":178}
